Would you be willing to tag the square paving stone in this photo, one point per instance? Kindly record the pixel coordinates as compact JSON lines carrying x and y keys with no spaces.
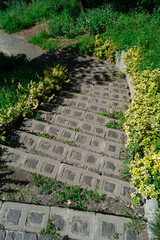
{"x":31,"y":163}
{"x":58,"y":221}
{"x":130,"y":235}
{"x":81,"y":139}
{"x":67,"y":135}
{"x":108,"y":229}
{"x":35,"y":218}
{"x":44,"y":237}
{"x":110,"y":165}
{"x":91,"y":159}
{"x":109,"y":187}
{"x":70,"y":175}
{"x":48,"y":168}
{"x":44,"y":145}
{"x":67,"y":111}
{"x":39,"y":127}
{"x":82,"y":105}
{"x":14,"y":236}
{"x":59,"y":150}
{"x":13,"y":216}
{"x":111,"y":148}
{"x":77,"y":114}
{"x":61,"y":120}
{"x":2,"y":235}
{"x":80,"y":226}
{"x":86,"y":127}
{"x":12,"y":158}
{"x":112,"y":134}
{"x":54,"y":131}
{"x":86,"y":180}
{"x":72,"y":123}
{"x":28,"y":141}
{"x":76,"y":155}
{"x":29,"y":236}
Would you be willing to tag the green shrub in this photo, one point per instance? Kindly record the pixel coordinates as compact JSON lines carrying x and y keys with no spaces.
{"x":96,"y":21}
{"x":29,"y":98}
{"x":142,"y":127}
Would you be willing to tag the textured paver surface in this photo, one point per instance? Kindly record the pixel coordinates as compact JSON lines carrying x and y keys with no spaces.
{"x":82,"y":150}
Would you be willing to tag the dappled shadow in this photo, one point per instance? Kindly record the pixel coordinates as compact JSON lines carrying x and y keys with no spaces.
{"x":6,"y":172}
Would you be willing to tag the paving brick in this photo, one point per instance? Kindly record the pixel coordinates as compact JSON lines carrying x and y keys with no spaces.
{"x":17,"y":216}
{"x":59,"y":217}
{"x":44,"y":237}
{"x":115,"y":135}
{"x":29,"y":236}
{"x":27,"y":140}
{"x":107,"y":225}
{"x":85,"y":158}
{"x":11,"y":156}
{"x":81,"y":225}
{"x":111,"y":166}
{"x":68,"y":174}
{"x":2,"y":235}
{"x":50,"y":107}
{"x":14,"y":235}
{"x":46,"y":116}
{"x":113,"y":149}
{"x":113,"y":187}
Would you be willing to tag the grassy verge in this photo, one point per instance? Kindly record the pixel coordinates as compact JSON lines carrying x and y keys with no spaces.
{"x":126,"y":30}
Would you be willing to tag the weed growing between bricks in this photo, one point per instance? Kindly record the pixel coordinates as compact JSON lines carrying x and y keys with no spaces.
{"x":68,"y":196}
{"x":46,"y":135}
{"x":118,"y":116}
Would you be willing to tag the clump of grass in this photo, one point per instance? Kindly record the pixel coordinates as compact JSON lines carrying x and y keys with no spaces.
{"x":50,"y":230}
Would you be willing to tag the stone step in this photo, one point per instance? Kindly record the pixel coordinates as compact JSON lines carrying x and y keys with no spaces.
{"x":106,"y":92}
{"x":92,"y":104}
{"x":70,"y":155}
{"x":25,"y":221}
{"x":82,"y":141}
{"x":63,"y":127}
{"x":48,"y":112}
{"x":54,"y":167}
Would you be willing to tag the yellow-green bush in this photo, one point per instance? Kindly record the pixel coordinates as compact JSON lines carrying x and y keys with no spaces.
{"x":106,"y":50}
{"x":143,"y":126}
{"x":102,"y":49}
{"x":29,"y":99}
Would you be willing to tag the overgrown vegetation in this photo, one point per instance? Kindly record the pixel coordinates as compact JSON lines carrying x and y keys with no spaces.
{"x":70,"y":196}
{"x":127,"y":24}
{"x":142,"y":127}
{"x":29,"y":95}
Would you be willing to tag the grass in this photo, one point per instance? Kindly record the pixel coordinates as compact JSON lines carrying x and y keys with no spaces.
{"x":132,"y":28}
{"x":12,"y":71}
{"x":50,"y":230}
{"x":69,"y":196}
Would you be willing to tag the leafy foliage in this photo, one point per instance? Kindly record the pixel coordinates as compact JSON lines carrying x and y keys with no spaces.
{"x":143,"y":127}
{"x":30,"y":97}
